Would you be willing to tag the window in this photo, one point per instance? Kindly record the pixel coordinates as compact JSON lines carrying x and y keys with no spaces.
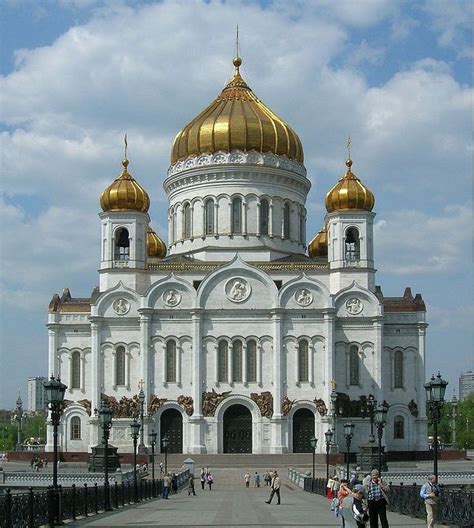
{"x":352,"y":248}
{"x":122,"y":244}
{"x":286,"y":220}
{"x":354,"y":365}
{"x":303,"y":365}
{"x":209,"y":217}
{"x":222,"y":360}
{"x":120,"y":366}
{"x":237,"y":216}
{"x":75,"y":428}
{"x":237,"y":361}
{"x":252,"y":361}
{"x":399,"y":427}
{"x":264,"y":214}
{"x":171,"y":361}
{"x":76,"y":370}
{"x":398,"y":369}
{"x":302,"y":227}
{"x":187,"y":221}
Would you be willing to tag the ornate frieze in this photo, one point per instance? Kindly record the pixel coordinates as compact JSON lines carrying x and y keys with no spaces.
{"x":286,"y":405}
{"x":264,"y":400}
{"x":210,"y":401}
{"x":87,"y":405}
{"x":125,"y":408}
{"x":187,"y":404}
{"x":413,"y":408}
{"x":320,"y":406}
{"x":155,"y":404}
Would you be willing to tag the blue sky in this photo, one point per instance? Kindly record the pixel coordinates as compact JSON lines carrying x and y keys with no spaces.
{"x":77,"y":74}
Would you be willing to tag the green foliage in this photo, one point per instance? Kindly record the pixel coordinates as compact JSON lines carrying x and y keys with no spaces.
{"x":32,"y":427}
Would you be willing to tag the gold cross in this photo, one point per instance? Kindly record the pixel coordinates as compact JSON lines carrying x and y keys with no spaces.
{"x":349,"y":143}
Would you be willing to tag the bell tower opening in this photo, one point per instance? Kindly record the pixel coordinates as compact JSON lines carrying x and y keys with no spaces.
{"x":122,"y":244}
{"x":352,"y":245}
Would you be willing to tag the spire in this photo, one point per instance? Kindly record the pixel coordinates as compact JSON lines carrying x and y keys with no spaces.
{"x":126,"y":146}
{"x":237,"y":61}
{"x":349,"y":159}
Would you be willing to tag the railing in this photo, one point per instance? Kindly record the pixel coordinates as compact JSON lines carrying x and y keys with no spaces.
{"x":47,"y":507}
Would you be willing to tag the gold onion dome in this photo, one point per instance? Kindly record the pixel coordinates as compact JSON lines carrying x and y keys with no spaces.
{"x":125,"y":194}
{"x":318,"y":247}
{"x":237,"y":119}
{"x":155,"y":246}
{"x":349,"y":193}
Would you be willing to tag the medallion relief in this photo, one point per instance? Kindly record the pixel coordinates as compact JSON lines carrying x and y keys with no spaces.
{"x":121,"y":306}
{"x":354,"y":306}
{"x":171,"y":297}
{"x":237,"y":290}
{"x":303,"y":297}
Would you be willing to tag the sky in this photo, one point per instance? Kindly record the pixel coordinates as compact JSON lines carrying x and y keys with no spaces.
{"x":76,"y":75}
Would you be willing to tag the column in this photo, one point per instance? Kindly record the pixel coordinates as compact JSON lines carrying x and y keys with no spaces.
{"x":216,"y":363}
{"x":259,"y":364}
{"x":421,"y":374}
{"x":53,"y":331}
{"x":145,"y":319}
{"x":163,"y":363}
{"x":244,"y":217}
{"x":270,"y":219}
{"x":230,"y":369}
{"x":244,"y":363}
{"x":96,"y":381}
{"x":179,"y":352}
{"x":216,"y":218}
{"x":196,"y":444}
{"x":378,"y":353}
{"x":258,"y":218}
{"x":311,"y":352}
{"x":330,"y":354}
{"x":278,"y":421}
{"x":297,"y":363}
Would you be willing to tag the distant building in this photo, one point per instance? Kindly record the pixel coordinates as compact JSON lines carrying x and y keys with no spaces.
{"x":36,"y":394}
{"x":466,"y":384}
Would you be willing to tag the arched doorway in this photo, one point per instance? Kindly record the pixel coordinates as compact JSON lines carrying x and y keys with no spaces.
{"x":303,"y":431}
{"x":237,"y":430}
{"x":171,"y":425}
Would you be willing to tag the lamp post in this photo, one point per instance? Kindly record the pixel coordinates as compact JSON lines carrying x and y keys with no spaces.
{"x":328,"y":434}
{"x":153,"y":436}
{"x":454,"y":413}
{"x":380,"y":422}
{"x":435,"y":390}
{"x":18,"y":417}
{"x":348,"y":434}
{"x":141,"y":398}
{"x":135,"y":427}
{"x":369,"y":412}
{"x":164,"y":443}
{"x":105,"y":415}
{"x":333,"y":397}
{"x":55,"y":391}
{"x":314,"y":442}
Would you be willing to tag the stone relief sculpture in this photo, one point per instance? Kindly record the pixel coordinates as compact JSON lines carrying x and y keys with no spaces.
{"x":172,"y":297}
{"x":320,"y":406}
{"x":237,"y":290}
{"x":155,"y":404}
{"x":125,"y":408}
{"x":187,"y":404}
{"x":286,"y":405}
{"x":264,"y":400}
{"x":413,"y":408}
{"x":87,"y":405}
{"x":354,"y":306}
{"x":210,"y":401}
{"x":121,"y":306}
{"x":303,"y":297}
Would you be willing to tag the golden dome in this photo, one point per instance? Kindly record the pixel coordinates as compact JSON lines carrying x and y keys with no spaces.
{"x":155,"y":246}
{"x":318,"y":247}
{"x":349,"y":193}
{"x":125,"y":194}
{"x":237,"y":119}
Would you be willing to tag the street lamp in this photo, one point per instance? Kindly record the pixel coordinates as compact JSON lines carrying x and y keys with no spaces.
{"x":369,"y":412}
{"x":348,"y":434}
{"x":164,"y":443}
{"x":18,"y":417}
{"x":314,"y":442}
{"x":435,"y":390}
{"x":153,"y":436}
{"x":380,"y":422}
{"x":135,"y":427}
{"x":105,"y":415}
{"x":328,"y":434}
{"x":454,"y":413}
{"x":55,"y":391}
{"x":141,"y":398}
{"x":333,"y":397}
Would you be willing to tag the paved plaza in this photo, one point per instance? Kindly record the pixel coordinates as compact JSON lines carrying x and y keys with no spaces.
{"x":231,"y":504}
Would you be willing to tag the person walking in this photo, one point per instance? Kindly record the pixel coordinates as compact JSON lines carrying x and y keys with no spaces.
{"x":203,"y":478}
{"x":377,"y":499}
{"x":174,"y":483}
{"x":210,"y":480}
{"x":191,"y":485}
{"x":353,"y":512}
{"x":162,"y":469}
{"x":247,"y":479}
{"x":256,"y":479}
{"x":166,"y":485}
{"x":275,"y":485}
{"x":430,"y":493}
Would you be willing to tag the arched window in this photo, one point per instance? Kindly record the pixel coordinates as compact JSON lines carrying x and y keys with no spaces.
{"x":399,"y":427}
{"x":237,"y":216}
{"x":286,"y":220}
{"x":76,"y":370}
{"x":122,"y":244}
{"x":264,"y":215}
{"x":354,"y":365}
{"x":303,"y":361}
{"x":120,"y":366}
{"x":302,"y":227}
{"x":252,"y":361}
{"x":171,"y":361}
{"x":222,"y":360}
{"x":209,"y":217}
{"x":187,"y":221}
{"x":352,"y":248}
{"x":75,"y":428}
{"x":398,"y":369}
{"x":237,"y":361}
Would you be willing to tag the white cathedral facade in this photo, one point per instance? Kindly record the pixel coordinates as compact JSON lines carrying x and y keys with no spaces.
{"x":237,"y":332}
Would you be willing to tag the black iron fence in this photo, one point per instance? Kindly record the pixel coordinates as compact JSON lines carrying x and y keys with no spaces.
{"x":48,"y":507}
{"x":456,"y":507}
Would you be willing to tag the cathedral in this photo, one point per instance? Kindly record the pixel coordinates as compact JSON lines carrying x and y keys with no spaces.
{"x":237,"y":336}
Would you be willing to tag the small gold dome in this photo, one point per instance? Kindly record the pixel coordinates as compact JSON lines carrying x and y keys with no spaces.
{"x":349,"y":193}
{"x":155,"y":246}
{"x":318,"y":247}
{"x":125,"y":194}
{"x":237,"y":119}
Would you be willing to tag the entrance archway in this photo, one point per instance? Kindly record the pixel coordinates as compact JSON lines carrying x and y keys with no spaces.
{"x":171,"y":425}
{"x":303,"y":431}
{"x":237,"y":430}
